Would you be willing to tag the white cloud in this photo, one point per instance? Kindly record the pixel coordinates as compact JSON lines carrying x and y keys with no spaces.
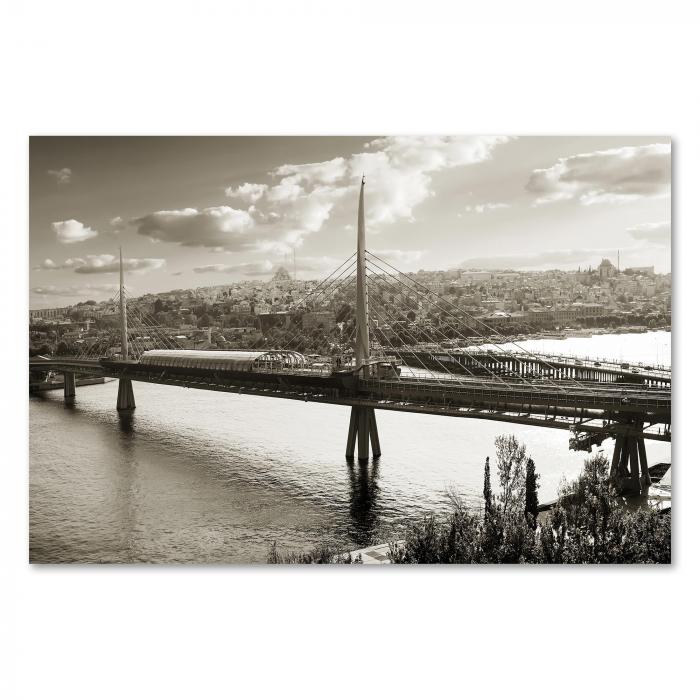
{"x":72,"y":231}
{"x":249,"y":269}
{"x":61,"y":176}
{"x":74,"y":290}
{"x":303,"y":197}
{"x":542,"y":260}
{"x":117,"y":223}
{"x":90,"y":264}
{"x":658,"y":232}
{"x":487,"y":206}
{"x":248,"y":192}
{"x":398,"y":257}
{"x":267,"y":267}
{"x":211,"y":227}
{"x":615,"y":175}
{"x":326,"y":173}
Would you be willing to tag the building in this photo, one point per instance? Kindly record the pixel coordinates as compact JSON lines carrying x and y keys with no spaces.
{"x":314,"y":319}
{"x":47,"y":314}
{"x":606,"y":269}
{"x":476,"y":276}
{"x":261,"y":308}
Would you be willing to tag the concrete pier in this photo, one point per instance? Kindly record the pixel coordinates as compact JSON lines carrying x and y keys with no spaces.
{"x":69,"y":388}
{"x":629,"y":469}
{"x":125,"y":396}
{"x":362,"y":431}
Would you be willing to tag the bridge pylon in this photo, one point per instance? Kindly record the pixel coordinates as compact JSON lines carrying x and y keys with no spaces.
{"x":69,"y":388}
{"x":363,"y":422}
{"x":125,"y":394}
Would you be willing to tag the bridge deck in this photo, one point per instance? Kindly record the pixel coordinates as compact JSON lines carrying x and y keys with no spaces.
{"x":557,"y":404}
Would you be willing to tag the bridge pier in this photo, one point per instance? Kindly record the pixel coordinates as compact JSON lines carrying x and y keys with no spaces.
{"x":362,"y":430}
{"x":125,"y":396}
{"x":69,"y":388}
{"x":629,"y":469}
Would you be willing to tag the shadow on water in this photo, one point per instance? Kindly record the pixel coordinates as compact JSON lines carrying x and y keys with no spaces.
{"x":364,"y":491}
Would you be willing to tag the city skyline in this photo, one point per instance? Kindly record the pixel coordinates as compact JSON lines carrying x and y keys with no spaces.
{"x":203,"y":211}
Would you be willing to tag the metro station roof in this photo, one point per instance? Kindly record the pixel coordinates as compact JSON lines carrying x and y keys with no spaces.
{"x":238,"y":359}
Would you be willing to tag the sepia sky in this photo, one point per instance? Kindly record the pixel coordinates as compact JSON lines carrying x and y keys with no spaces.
{"x":197,"y":211}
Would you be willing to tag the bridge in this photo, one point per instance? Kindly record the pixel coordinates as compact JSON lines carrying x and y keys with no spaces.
{"x":384,"y":359}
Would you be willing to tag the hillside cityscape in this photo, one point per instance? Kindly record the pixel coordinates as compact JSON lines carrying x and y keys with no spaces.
{"x":270,"y":313}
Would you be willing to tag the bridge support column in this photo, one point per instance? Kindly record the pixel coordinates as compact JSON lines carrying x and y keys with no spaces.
{"x":628,"y":457}
{"x":69,"y":388}
{"x":646,"y":477}
{"x":125,"y":396}
{"x":362,"y":430}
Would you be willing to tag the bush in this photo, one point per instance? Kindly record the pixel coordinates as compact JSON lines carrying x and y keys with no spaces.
{"x":589,"y":525}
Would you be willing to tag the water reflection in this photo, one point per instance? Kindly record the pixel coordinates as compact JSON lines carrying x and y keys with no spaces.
{"x":126,"y":423}
{"x":364,"y":490}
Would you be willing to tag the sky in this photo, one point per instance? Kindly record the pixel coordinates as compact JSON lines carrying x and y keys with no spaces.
{"x":198,"y":211}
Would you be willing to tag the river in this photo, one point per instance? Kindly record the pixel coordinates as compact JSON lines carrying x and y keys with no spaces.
{"x":207,"y":477}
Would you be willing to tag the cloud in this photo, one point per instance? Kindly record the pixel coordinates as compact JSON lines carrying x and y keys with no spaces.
{"x":76,"y":290}
{"x":545,"y":259}
{"x":487,"y":206}
{"x":303,"y":196}
{"x":61,"y":176}
{"x":72,"y":231}
{"x":117,"y":223}
{"x":398,"y":257}
{"x":615,"y":175}
{"x":90,"y":264}
{"x":68,"y":264}
{"x":250,"y":269}
{"x":247,"y":192}
{"x":658,"y":232}
{"x":326,"y":173}
{"x":267,"y":267}
{"x":213,"y":227}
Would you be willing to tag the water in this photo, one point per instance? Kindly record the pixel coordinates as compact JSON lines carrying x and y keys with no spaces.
{"x":206,"y":477}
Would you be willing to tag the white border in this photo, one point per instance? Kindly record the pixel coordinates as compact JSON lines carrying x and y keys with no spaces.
{"x":311,"y":68}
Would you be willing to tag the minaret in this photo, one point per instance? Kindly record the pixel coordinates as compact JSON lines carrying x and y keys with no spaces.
{"x":362,"y":343}
{"x":122,"y":309}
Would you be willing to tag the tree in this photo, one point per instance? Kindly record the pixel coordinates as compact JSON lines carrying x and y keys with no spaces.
{"x":488,"y":494}
{"x":510,"y":457}
{"x":531,"y":485}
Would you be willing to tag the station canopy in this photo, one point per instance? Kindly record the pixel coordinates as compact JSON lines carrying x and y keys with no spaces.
{"x":234,"y":359}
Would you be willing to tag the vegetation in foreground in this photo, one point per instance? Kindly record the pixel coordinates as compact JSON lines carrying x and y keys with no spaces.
{"x":590,"y":524}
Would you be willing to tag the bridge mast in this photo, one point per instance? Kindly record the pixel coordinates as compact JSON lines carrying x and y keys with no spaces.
{"x":363,"y":424}
{"x":362,"y":316}
{"x":125,"y":393}
{"x":122,"y":309}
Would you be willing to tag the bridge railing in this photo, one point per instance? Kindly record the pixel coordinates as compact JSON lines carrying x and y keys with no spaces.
{"x":577,"y":360}
{"x":528,"y":394}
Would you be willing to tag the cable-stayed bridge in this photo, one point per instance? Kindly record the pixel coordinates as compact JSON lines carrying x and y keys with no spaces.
{"x":382,"y":357}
